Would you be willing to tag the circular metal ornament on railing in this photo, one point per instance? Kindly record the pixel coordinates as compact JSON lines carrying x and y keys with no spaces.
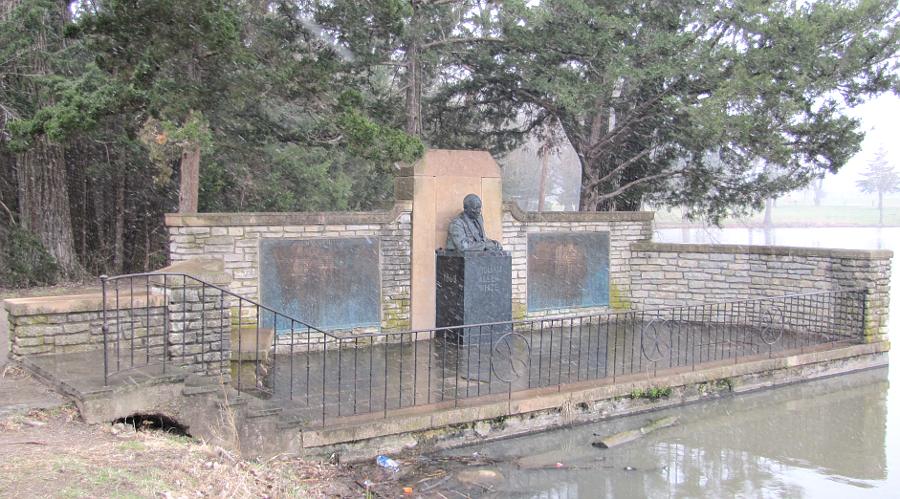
{"x":769,"y":333}
{"x":511,"y":351}
{"x":653,"y":340}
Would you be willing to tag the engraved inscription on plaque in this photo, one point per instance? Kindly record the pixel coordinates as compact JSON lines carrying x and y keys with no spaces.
{"x":327,"y":283}
{"x":568,"y":270}
{"x":489,"y":278}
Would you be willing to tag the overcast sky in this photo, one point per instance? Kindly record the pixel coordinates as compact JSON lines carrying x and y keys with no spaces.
{"x":880,"y":120}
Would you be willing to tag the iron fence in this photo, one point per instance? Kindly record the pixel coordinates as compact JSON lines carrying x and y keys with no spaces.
{"x":347,"y":375}
{"x":159,"y":320}
{"x":323,"y":375}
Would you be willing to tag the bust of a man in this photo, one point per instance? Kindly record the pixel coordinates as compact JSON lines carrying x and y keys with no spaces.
{"x":466,"y":231}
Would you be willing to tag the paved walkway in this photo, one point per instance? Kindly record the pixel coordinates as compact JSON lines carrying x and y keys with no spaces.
{"x":20,"y":393}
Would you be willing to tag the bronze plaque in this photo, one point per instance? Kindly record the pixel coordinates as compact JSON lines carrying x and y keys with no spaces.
{"x":327,"y":283}
{"x":568,"y":270}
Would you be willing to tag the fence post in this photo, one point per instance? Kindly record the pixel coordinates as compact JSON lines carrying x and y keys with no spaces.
{"x":105,"y":330}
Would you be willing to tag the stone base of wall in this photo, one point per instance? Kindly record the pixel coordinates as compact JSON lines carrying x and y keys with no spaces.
{"x":527,"y":412}
{"x":215,"y":412}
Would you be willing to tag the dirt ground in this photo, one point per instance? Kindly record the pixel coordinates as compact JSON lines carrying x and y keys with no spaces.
{"x":50,"y":452}
{"x":47,"y":451}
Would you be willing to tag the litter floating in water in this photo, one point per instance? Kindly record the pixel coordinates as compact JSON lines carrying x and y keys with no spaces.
{"x":479,"y":476}
{"x":387,"y":463}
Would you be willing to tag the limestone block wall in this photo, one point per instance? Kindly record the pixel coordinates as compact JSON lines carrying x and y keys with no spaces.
{"x":235,"y":239}
{"x":624,"y":229}
{"x":199,"y":328}
{"x":664,"y":275}
{"x":73,"y":323}
{"x":145,"y":316}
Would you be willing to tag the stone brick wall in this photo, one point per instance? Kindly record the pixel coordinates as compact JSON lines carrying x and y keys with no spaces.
{"x":235,"y":239}
{"x":624,"y":229}
{"x":688,"y":274}
{"x":144,"y":316}
{"x":199,"y":328}
{"x":73,"y":323}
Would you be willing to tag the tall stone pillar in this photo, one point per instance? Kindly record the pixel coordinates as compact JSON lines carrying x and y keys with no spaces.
{"x":436,"y":184}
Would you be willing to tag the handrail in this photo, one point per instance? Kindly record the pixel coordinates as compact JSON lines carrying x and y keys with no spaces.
{"x":632,"y":311}
{"x":220,"y":288}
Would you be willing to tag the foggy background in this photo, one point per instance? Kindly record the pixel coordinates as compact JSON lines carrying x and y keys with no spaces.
{"x":522,"y":169}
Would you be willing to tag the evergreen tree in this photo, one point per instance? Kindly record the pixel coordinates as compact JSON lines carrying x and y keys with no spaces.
{"x":880,"y":179}
{"x":648,"y":91}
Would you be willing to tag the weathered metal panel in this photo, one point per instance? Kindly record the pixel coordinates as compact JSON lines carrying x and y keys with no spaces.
{"x":568,"y":270}
{"x":328,"y":283}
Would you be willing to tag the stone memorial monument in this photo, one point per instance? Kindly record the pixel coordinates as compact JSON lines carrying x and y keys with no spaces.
{"x":474,"y":280}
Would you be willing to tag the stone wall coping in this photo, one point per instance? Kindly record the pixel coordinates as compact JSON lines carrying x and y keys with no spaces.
{"x":761,"y":250}
{"x":87,"y":302}
{"x":209,"y":270}
{"x":287,"y":218}
{"x":576,"y":216}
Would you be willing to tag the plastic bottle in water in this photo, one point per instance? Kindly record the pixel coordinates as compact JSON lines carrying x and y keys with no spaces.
{"x":387,"y":463}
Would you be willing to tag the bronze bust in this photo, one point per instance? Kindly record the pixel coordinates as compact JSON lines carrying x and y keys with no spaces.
{"x":466,"y":231}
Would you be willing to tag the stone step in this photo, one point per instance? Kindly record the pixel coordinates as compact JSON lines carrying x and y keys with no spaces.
{"x":264,"y":412}
{"x":202,"y":380}
{"x":199,"y":390}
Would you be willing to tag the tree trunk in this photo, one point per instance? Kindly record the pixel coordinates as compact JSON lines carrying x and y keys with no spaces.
{"x":146,"y":246}
{"x":545,"y":158}
{"x":41,"y":170}
{"x":414,"y":76}
{"x":880,"y":209}
{"x":767,"y":216}
{"x":44,"y":201}
{"x":119,"y":249}
{"x":190,"y":179}
{"x":818,"y":191}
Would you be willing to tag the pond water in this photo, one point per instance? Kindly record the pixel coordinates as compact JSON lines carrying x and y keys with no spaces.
{"x":837,"y":437}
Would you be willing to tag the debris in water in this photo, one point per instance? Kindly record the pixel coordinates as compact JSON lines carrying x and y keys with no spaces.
{"x":479,"y":477}
{"x":631,"y":435}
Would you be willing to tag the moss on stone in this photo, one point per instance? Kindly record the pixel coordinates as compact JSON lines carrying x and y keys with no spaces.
{"x":31,"y":320}
{"x":616,"y":300}
{"x":393,"y":316}
{"x":519,"y":310}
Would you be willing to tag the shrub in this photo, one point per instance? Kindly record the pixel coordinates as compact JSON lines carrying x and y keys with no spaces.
{"x":24,"y":261}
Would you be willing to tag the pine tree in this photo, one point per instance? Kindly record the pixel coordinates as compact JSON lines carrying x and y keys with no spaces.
{"x":880,"y":179}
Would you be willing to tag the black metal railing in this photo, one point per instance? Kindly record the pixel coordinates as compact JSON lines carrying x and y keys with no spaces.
{"x":347,"y":375}
{"x":152,"y":321}
{"x":161,"y":319}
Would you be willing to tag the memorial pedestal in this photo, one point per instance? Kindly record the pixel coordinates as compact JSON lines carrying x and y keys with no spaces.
{"x":473,"y":288}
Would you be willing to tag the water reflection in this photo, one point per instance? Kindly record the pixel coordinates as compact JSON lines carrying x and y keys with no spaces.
{"x":836,"y":437}
{"x":738,"y":446}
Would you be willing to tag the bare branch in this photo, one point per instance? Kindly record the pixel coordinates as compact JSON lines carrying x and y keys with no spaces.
{"x":12,"y":219}
{"x":450,"y":41}
{"x":639,"y":181}
{"x":621,"y":167}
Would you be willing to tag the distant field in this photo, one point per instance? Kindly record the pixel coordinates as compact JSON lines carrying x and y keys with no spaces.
{"x":814,"y":216}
